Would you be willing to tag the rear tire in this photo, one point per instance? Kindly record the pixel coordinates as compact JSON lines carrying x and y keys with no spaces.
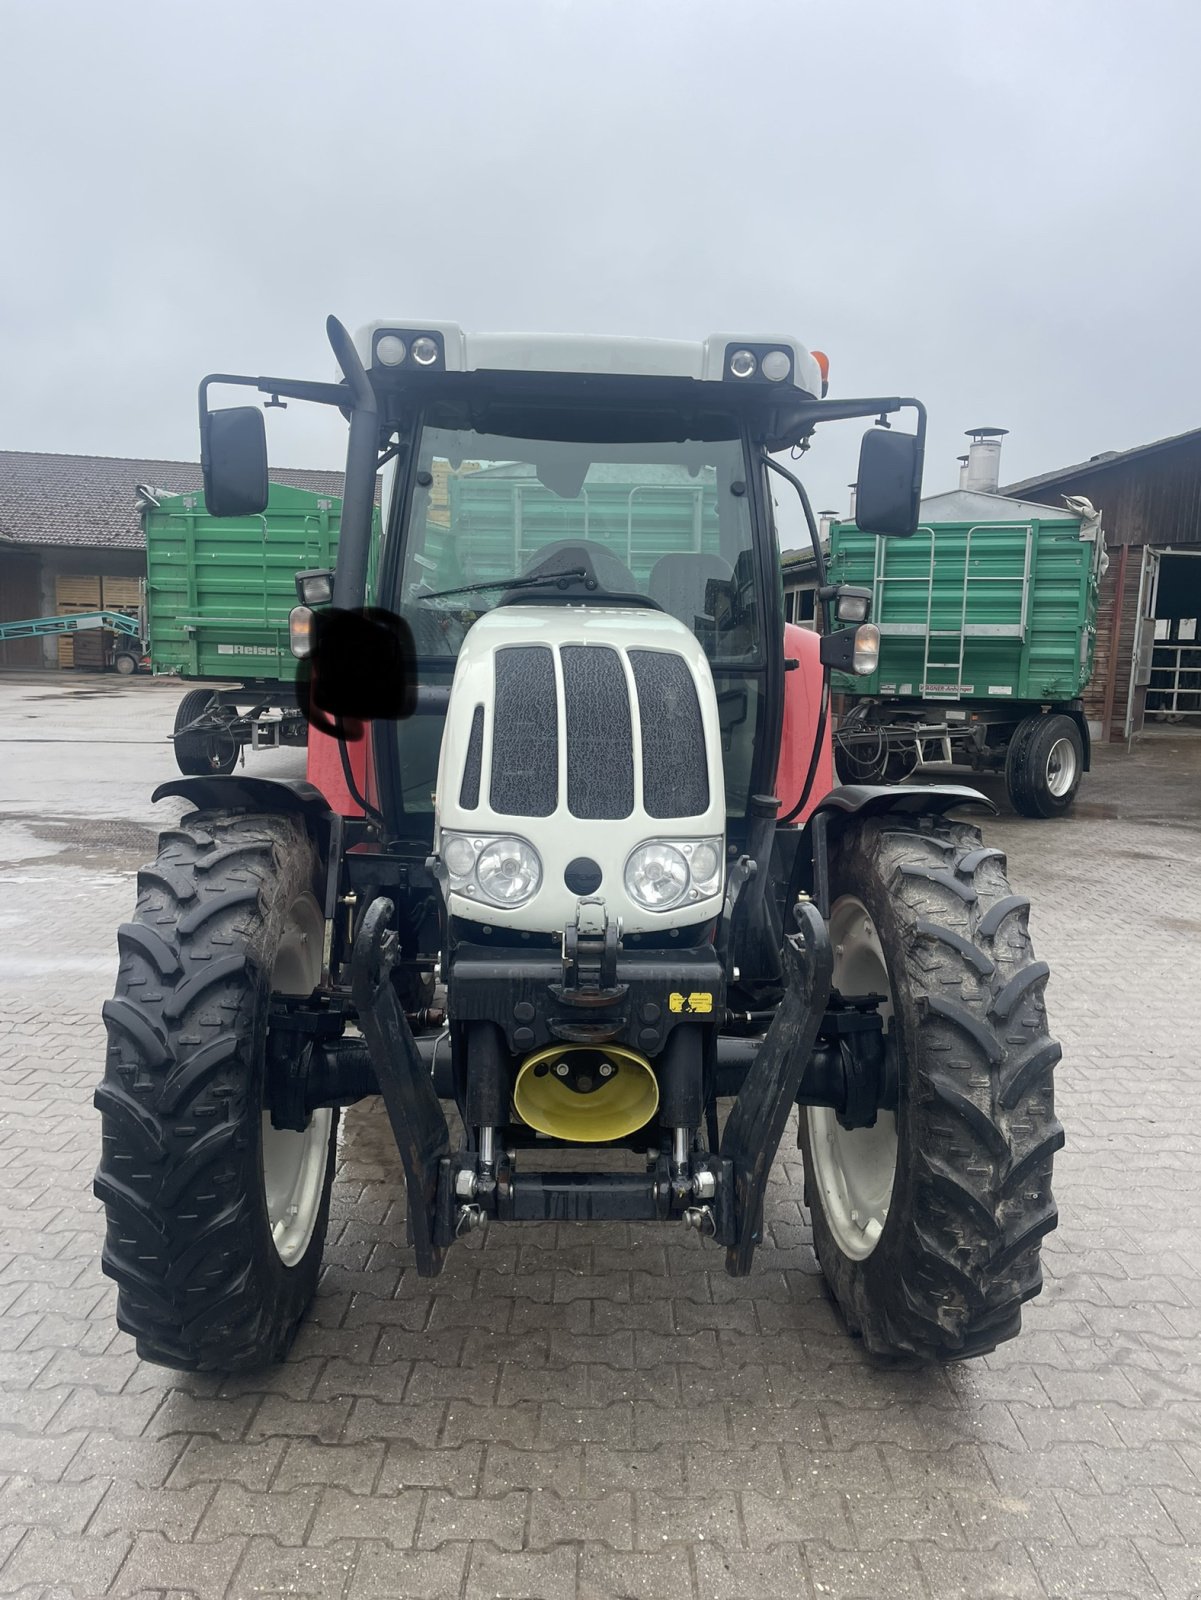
{"x":126,"y":665}
{"x":928,"y":1226}
{"x":216,"y":1220}
{"x":202,"y":754}
{"x":1044,"y":765}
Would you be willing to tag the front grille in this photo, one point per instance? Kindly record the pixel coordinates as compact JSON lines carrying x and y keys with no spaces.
{"x":525,"y":733}
{"x":469,"y":793}
{"x":599,"y":753}
{"x":600,"y":745}
{"x":675,"y":774}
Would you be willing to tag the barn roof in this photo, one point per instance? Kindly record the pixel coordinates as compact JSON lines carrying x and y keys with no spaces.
{"x":88,"y":501}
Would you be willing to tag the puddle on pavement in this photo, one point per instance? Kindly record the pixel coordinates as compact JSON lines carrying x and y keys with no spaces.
{"x":95,"y":843}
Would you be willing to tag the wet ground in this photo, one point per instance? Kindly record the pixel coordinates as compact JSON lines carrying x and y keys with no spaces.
{"x":574,"y":1411}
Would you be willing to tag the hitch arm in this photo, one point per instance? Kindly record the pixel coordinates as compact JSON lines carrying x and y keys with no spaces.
{"x":418,"y":1122}
{"x":769,"y":1090}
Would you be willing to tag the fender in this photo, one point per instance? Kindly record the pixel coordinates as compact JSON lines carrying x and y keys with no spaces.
{"x":849,"y":803}
{"x":289,"y":795}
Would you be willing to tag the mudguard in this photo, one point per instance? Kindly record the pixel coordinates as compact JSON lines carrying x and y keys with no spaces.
{"x":238,"y":793}
{"x":848,"y":803}
{"x":870,"y":799}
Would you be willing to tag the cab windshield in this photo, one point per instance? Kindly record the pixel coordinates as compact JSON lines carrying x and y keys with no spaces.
{"x":663,"y":524}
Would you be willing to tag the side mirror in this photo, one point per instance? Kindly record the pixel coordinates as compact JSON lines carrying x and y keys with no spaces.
{"x":233,"y":455}
{"x":889,"y":487}
{"x":357,"y":665}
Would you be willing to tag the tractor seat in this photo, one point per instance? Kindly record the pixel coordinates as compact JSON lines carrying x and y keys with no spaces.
{"x":679,"y":582}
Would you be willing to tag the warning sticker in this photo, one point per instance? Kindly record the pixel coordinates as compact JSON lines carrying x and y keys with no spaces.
{"x":691,"y":1005}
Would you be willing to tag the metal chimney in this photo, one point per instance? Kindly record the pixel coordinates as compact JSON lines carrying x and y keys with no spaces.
{"x":963,"y":461}
{"x":851,"y":513}
{"x":983,"y":472}
{"x":824,"y":520}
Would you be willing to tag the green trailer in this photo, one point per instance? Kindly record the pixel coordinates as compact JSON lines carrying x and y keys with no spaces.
{"x":987,"y":621}
{"x":218,"y":594}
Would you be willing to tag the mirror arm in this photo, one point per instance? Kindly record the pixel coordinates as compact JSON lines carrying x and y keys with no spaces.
{"x":323,"y":394}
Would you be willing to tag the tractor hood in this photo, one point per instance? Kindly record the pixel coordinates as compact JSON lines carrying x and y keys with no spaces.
{"x":581,"y":760}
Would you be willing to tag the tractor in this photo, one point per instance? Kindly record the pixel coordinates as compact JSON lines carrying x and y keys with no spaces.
{"x":568,"y":857}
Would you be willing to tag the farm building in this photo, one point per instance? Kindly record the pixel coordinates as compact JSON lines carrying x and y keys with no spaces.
{"x":1148,"y":655}
{"x":71,"y":540}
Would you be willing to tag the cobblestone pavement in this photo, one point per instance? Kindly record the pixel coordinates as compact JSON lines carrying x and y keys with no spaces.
{"x":602,"y":1412}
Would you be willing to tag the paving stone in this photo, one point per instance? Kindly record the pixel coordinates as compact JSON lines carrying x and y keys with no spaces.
{"x":252,"y":1466}
{"x":283,"y":1514}
{"x":606,"y":1574}
{"x":45,"y":1556}
{"x":560,"y":1469}
{"x":392,"y":1519}
{"x":67,"y":1507}
{"x":667,"y":1519}
{"x":547,"y":1575}
{"x":412,"y":1421}
{"x":454,"y":1467}
{"x":354,"y":1467}
{"x":515,"y":1425}
{"x":890,"y":1571}
{"x":1002,"y":1573}
{"x":293,"y":1570}
{"x":752,"y":1575}
{"x":384,"y":1574}
{"x":1072,"y":1573}
{"x":791,"y":1517}
{"x":129,"y":1508}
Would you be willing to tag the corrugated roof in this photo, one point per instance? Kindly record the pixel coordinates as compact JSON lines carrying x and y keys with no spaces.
{"x":1097,"y":463}
{"x":88,"y":501}
{"x":978,"y":505}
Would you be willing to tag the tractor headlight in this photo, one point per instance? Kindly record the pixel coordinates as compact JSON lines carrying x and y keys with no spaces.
{"x":662,"y":874}
{"x":503,"y":871}
{"x":390,"y":350}
{"x":315,"y":587}
{"x":852,"y":605}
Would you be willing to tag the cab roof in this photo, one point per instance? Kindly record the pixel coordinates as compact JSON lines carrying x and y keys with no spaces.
{"x":450,"y":349}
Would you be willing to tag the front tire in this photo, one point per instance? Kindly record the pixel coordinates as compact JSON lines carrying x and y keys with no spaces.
{"x":928,"y":1226}
{"x":216,"y":1219}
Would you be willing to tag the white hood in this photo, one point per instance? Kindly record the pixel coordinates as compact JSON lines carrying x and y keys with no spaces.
{"x":582,"y":730}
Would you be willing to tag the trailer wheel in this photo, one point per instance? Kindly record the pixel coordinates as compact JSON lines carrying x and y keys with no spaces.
{"x":1044,"y":765}
{"x":928,"y":1225}
{"x":125,"y":664}
{"x":201,"y":754}
{"x":216,"y":1219}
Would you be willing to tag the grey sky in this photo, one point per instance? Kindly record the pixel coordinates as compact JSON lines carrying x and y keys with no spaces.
{"x":991,"y":207}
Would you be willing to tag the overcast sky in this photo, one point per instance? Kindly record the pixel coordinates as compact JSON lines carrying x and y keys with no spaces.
{"x":992,"y":207}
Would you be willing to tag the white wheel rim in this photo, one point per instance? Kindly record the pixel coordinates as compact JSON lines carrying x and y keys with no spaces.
{"x":854,"y":1168}
{"x":294,"y":1163}
{"x":1061,"y":767}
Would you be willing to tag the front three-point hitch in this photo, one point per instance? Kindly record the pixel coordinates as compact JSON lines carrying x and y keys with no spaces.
{"x":820,"y":1049}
